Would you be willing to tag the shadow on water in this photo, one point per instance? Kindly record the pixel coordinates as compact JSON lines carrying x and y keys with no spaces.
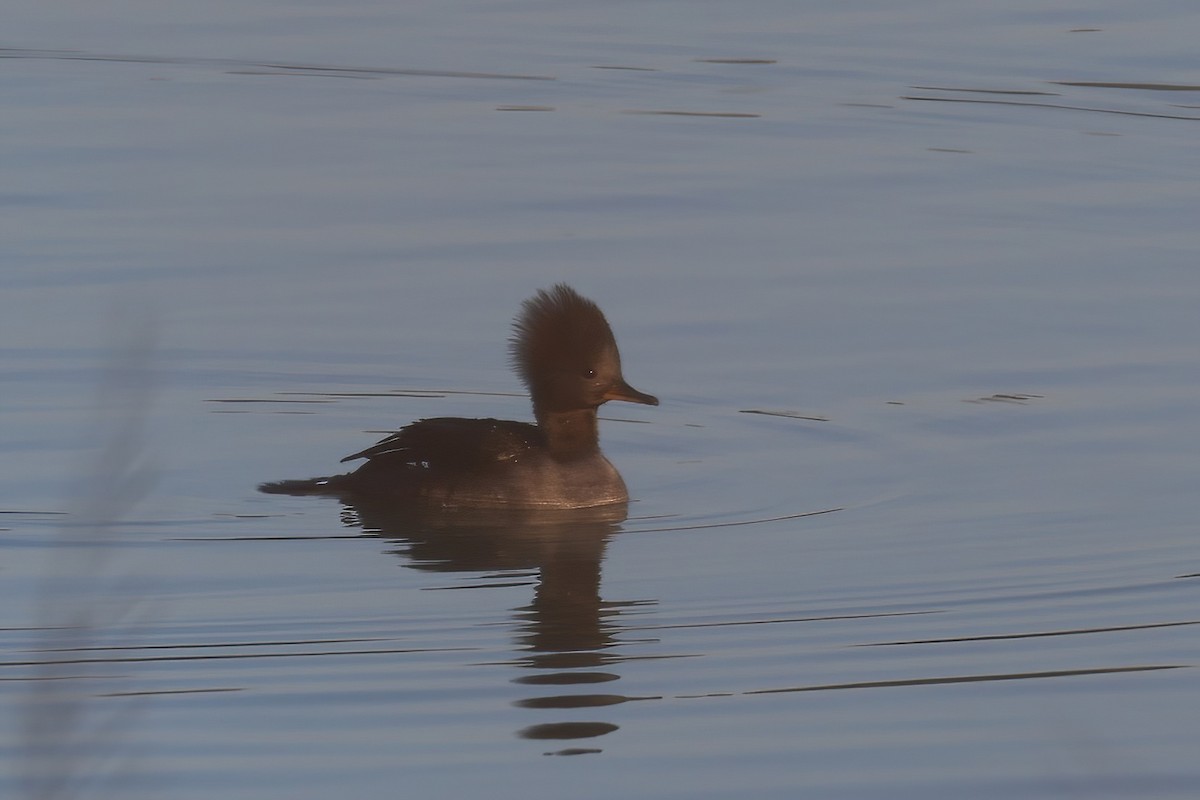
{"x":567,"y":635}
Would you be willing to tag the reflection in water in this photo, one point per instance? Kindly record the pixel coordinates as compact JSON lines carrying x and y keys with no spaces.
{"x":566,"y":634}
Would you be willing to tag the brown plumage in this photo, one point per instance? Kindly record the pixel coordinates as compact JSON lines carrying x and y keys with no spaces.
{"x":565,"y":353}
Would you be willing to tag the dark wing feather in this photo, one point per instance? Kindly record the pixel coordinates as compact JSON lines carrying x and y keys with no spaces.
{"x":454,"y":443}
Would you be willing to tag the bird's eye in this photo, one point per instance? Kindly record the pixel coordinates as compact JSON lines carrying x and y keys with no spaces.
{"x":589,"y":373}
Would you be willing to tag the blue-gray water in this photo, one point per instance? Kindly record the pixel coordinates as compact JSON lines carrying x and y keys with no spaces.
{"x":929,"y":268}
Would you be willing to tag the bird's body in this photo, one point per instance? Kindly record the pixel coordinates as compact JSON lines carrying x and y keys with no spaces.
{"x":566,"y":354}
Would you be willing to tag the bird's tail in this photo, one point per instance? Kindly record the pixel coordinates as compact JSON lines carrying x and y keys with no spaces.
{"x":312,"y":486}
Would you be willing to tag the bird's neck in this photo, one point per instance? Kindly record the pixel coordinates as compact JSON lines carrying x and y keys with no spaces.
{"x":570,"y":434}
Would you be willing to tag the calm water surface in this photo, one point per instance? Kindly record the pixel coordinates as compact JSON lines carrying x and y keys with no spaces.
{"x":917,"y":288}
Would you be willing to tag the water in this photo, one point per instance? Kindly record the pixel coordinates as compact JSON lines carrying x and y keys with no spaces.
{"x":864,"y":255}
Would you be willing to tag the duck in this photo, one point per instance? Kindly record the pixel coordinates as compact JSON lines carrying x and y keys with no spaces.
{"x":565,"y":354}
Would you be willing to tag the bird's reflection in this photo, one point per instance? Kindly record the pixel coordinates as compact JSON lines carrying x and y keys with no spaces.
{"x":566,"y":635}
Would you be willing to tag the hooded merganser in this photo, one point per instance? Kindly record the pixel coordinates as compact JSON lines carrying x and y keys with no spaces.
{"x":565,"y":354}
